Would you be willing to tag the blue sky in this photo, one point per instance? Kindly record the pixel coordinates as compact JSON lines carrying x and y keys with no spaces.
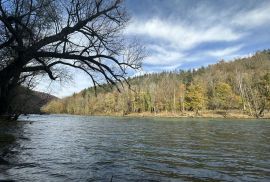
{"x":184,"y":34}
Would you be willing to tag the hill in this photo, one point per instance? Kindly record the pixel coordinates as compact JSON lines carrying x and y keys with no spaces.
{"x":240,"y":86}
{"x":27,"y":101}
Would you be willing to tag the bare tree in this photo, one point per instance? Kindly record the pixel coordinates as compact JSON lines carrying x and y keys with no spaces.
{"x":42,"y":36}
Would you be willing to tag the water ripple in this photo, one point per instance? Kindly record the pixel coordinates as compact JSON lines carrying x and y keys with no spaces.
{"x":83,"y":148}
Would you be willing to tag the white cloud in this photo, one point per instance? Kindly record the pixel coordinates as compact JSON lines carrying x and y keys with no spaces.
{"x":220,"y":53}
{"x":171,"y":43}
{"x":255,"y":17}
{"x":181,"y":35}
{"x":162,"y":56}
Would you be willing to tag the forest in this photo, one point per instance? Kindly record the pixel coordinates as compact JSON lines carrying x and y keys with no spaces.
{"x":241,"y":85}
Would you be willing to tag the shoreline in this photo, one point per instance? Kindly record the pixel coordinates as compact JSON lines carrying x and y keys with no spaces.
{"x":187,"y":114}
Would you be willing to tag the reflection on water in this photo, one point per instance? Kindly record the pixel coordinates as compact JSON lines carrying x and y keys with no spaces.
{"x":81,"y":148}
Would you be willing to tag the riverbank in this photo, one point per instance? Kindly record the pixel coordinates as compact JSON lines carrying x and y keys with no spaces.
{"x":233,"y":114}
{"x":189,"y":114}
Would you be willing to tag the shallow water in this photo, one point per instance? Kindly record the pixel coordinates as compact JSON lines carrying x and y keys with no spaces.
{"x":84,"y":148}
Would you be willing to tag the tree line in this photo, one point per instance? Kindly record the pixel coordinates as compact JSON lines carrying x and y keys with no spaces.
{"x":242,"y":84}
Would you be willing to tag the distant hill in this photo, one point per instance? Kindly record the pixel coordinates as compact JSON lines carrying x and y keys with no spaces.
{"x":241,"y":84}
{"x":27,"y":101}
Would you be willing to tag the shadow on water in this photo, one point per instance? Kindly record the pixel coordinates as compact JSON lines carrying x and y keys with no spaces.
{"x":10,"y":133}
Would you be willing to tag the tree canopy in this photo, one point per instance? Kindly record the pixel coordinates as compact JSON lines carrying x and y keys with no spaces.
{"x":44,"y":36}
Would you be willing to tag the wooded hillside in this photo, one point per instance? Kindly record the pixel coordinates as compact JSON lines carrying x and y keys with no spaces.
{"x":27,"y":101}
{"x":241,"y":84}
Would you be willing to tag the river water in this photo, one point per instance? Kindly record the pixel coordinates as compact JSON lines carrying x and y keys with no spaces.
{"x":84,"y":148}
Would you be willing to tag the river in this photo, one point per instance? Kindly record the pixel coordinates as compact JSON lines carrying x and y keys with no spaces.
{"x":86,"y":148}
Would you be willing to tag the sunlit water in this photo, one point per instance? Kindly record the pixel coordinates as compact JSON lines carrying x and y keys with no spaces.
{"x":84,"y":148}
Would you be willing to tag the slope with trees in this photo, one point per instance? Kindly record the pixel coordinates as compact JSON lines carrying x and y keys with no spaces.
{"x":242,"y":85}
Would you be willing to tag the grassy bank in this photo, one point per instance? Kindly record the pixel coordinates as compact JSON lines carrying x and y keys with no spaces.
{"x":204,"y":114}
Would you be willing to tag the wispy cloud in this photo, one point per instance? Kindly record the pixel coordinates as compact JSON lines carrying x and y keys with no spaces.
{"x":180,"y":35}
{"x":164,"y":57}
{"x":221,"y":53}
{"x":172,"y":45}
{"x":256,"y":17}
{"x":207,"y":32}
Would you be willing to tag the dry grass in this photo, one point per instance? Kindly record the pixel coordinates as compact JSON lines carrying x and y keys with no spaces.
{"x":203,"y":114}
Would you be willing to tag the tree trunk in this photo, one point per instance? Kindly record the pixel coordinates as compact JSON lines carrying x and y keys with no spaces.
{"x":262,"y":109}
{"x":3,"y":102}
{"x":9,"y":78}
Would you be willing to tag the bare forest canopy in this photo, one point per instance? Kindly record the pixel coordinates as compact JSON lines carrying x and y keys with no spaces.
{"x":242,"y":84}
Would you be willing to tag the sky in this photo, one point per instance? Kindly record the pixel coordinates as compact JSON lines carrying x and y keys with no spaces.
{"x":187,"y":34}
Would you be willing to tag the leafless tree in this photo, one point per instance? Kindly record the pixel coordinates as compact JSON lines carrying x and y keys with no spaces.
{"x":41,"y":36}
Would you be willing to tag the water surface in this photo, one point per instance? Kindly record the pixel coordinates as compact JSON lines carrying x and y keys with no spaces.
{"x":84,"y":148}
